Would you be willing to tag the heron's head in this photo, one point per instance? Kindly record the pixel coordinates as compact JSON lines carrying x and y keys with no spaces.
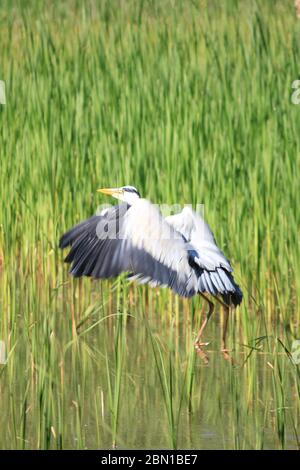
{"x":127,"y":194}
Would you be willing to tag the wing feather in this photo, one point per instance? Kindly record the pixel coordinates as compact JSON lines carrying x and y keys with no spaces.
{"x":137,"y":240}
{"x":213,"y":268}
{"x":179,"y":252}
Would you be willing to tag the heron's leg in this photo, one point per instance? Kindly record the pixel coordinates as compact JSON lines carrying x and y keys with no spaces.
{"x":224,"y":331}
{"x":198,"y":345}
{"x":224,"y":349}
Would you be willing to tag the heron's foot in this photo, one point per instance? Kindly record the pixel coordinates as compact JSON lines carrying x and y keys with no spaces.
{"x":227,"y":356}
{"x":200,"y":352}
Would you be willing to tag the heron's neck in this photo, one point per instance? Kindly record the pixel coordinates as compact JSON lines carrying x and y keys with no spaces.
{"x":130,"y":198}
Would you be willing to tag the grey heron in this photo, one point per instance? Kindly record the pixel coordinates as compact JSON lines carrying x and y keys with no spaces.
{"x":178,"y":252}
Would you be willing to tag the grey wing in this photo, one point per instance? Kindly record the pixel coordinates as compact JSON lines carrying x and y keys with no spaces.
{"x":134,"y":239}
{"x":94,"y":239}
{"x":213,"y":269}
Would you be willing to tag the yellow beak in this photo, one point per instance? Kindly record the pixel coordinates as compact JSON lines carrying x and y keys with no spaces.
{"x":109,"y":191}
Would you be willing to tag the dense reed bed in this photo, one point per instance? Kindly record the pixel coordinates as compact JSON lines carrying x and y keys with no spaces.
{"x":190,"y":101}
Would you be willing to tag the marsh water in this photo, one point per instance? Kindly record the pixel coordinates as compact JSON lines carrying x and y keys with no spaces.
{"x":92,"y":375}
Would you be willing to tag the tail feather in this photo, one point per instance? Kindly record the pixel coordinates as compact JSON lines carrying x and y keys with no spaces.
{"x":220,"y":282}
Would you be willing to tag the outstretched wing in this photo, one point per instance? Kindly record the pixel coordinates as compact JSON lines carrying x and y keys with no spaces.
{"x":134,"y":239}
{"x":212,"y":267}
